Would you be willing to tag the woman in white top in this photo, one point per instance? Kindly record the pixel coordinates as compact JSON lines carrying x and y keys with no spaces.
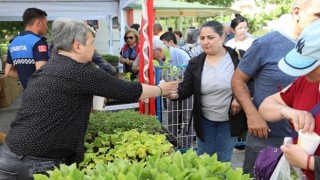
{"x":242,"y":39}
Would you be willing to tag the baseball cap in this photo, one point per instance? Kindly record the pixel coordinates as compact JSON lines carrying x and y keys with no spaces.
{"x":157,"y":43}
{"x":305,"y":57}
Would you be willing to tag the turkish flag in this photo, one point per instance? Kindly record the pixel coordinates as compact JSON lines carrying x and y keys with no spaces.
{"x":42,"y":48}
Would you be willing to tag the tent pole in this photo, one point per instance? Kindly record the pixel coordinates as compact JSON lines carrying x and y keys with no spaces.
{"x":110,"y":35}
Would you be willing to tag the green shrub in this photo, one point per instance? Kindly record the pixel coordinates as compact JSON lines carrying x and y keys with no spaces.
{"x":3,"y":40}
{"x":3,"y":48}
{"x":113,"y":60}
{"x":187,"y":166}
{"x":110,"y":122}
{"x":130,"y":145}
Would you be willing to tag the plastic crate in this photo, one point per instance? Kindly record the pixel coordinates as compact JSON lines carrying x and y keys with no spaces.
{"x":171,"y":138}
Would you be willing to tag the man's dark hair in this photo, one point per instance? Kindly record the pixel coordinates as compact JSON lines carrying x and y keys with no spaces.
{"x":179,"y":33}
{"x":32,"y":13}
{"x":170,"y":29}
{"x":157,"y":26}
{"x":135,"y":26}
{"x":167,"y":36}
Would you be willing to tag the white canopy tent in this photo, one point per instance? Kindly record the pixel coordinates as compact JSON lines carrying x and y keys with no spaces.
{"x":12,"y":10}
{"x":175,"y":8}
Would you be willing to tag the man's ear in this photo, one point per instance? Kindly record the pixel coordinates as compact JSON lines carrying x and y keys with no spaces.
{"x":37,"y":22}
{"x":223,"y":38}
{"x":77,"y":47}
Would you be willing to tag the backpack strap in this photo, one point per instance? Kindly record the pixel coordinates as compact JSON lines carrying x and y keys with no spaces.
{"x":315,"y":110}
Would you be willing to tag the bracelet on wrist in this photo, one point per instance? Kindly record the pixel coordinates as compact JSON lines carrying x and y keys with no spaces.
{"x":160,"y":90}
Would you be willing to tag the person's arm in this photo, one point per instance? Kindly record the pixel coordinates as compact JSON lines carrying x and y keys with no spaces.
{"x":103,"y":64}
{"x":163,"y":89}
{"x":273,"y":109}
{"x":39,"y":64}
{"x":40,"y":53}
{"x":298,"y":157}
{"x":256,"y":125}
{"x":96,"y":82}
{"x":235,"y":106}
{"x":11,"y":71}
{"x":123,"y":60}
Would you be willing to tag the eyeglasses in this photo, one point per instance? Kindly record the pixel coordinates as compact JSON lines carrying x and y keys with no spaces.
{"x":129,"y":37}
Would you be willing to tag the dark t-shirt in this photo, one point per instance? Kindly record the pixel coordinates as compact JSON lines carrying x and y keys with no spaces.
{"x":56,"y":105}
{"x":24,"y":51}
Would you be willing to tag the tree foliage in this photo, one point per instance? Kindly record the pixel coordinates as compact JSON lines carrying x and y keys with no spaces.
{"x":263,"y":3}
{"x":223,"y":3}
{"x":261,"y":19}
{"x":10,"y":28}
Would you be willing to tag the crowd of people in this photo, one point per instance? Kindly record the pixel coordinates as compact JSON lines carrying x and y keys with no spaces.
{"x":220,"y":59}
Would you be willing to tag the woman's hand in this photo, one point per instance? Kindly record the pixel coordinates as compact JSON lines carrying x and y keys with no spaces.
{"x":300,"y":119}
{"x":296,"y":155}
{"x":123,"y":60}
{"x":172,"y":96}
{"x":168,"y":88}
{"x":235,"y":106}
{"x":129,"y":62}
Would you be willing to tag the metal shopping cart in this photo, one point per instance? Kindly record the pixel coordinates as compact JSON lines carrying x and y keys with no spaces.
{"x":175,"y":115}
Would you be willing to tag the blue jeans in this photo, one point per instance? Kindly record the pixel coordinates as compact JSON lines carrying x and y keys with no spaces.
{"x":217,"y":139}
{"x":253,"y":147}
{"x":14,"y":167}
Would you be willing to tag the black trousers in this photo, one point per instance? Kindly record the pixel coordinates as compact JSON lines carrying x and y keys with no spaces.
{"x":17,"y":167}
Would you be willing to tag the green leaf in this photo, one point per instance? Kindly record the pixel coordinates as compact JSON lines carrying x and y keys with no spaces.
{"x":195,"y":176}
{"x":146,"y":174}
{"x":137,"y":169}
{"x":173,"y":170}
{"x":163,"y":176}
{"x":183,"y":175}
{"x":163,"y":165}
{"x":203,"y":171}
{"x":178,"y":160}
{"x":130,"y":176}
{"x":40,"y":177}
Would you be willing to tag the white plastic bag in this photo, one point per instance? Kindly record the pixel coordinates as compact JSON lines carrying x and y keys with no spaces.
{"x":283,"y":168}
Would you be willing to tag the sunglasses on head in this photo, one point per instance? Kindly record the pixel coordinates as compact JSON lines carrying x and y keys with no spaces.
{"x":129,"y":37}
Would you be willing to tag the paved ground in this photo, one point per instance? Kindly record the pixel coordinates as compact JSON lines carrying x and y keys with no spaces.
{"x":8,"y":114}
